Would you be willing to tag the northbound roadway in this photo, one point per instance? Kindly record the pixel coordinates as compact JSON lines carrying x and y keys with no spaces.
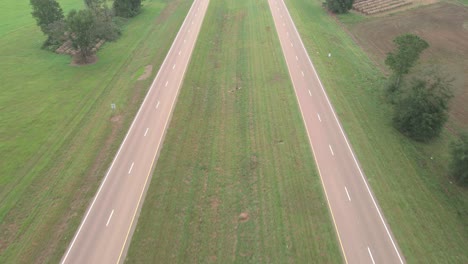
{"x":105,"y":231}
{"x":363,"y":233}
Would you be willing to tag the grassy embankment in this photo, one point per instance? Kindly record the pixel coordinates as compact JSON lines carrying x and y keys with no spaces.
{"x":427,"y":214}
{"x":236,"y":144}
{"x":57,"y":131}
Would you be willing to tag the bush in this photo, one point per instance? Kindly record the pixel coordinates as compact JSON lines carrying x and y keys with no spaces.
{"x":423,"y":110}
{"x":127,"y":8}
{"x":339,"y":6}
{"x":460,"y":160}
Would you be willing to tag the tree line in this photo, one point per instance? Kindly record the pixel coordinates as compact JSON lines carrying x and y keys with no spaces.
{"x":84,"y":28}
{"x":421,"y":104}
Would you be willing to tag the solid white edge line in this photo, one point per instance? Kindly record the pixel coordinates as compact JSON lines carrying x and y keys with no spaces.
{"x":333,"y":154}
{"x":346,"y":139}
{"x":165,"y":126}
{"x":370,"y":254}
{"x":146,"y":132}
{"x":131,"y":167}
{"x":347,"y":193}
{"x":110,"y":216}
{"x":123,"y":142}
{"x":312,"y":146}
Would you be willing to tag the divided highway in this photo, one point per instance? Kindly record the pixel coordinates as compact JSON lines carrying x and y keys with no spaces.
{"x":363,"y":233}
{"x":106,"y":229}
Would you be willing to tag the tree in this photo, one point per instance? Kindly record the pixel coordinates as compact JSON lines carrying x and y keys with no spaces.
{"x":339,"y":6}
{"x":94,"y":3}
{"x":409,"y":47}
{"x":422,"y":112}
{"x":460,"y":159}
{"x":127,"y":8}
{"x":104,"y":21}
{"x":82,"y":32}
{"x":46,"y":12}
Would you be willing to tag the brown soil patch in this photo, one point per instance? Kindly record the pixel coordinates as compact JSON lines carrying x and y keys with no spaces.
{"x":243,"y":217}
{"x":215,"y":203}
{"x":147,"y":73}
{"x":77,"y":60}
{"x":168,"y":11}
{"x":442,"y":25}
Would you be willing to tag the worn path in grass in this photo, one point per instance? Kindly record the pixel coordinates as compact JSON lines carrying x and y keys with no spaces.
{"x":58,"y":133}
{"x":236,"y":181}
{"x":427,"y":213}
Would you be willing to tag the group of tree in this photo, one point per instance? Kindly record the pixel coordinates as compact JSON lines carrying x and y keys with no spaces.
{"x":339,"y":6}
{"x":421,"y":104}
{"x":84,"y":28}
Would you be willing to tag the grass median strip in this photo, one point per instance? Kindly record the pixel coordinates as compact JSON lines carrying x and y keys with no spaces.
{"x":427,"y":213}
{"x":235,"y":181}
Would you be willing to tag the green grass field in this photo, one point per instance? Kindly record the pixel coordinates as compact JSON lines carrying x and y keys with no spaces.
{"x":57,"y":131}
{"x":236,"y":144}
{"x":427,"y":214}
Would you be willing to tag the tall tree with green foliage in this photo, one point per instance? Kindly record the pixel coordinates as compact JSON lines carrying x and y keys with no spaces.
{"x":82,"y":31}
{"x":460,"y":160}
{"x":127,"y":8}
{"x":423,"y":110}
{"x":46,"y":13}
{"x":106,"y":28}
{"x":408,"y":50}
{"x":339,"y":6}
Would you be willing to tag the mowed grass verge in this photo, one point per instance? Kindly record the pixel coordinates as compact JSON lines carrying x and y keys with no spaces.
{"x":427,"y":214}
{"x":236,"y":180}
{"x":58,"y":133}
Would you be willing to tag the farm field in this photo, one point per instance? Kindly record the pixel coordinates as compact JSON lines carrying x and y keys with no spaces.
{"x":58,"y":133}
{"x":427,"y":213}
{"x":445,"y":27}
{"x":236,"y":181}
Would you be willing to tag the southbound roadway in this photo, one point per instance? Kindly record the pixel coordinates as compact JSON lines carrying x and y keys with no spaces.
{"x":106,"y":229}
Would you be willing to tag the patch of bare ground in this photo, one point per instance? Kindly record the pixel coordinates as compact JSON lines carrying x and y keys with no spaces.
{"x":78,"y":60}
{"x":442,"y":26}
{"x":169,"y":10}
{"x":147,"y":73}
{"x":243,"y":217}
{"x":414,"y":4}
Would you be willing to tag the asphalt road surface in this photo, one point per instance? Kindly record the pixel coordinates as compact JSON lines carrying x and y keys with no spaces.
{"x":363,"y":233}
{"x":106,"y":229}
